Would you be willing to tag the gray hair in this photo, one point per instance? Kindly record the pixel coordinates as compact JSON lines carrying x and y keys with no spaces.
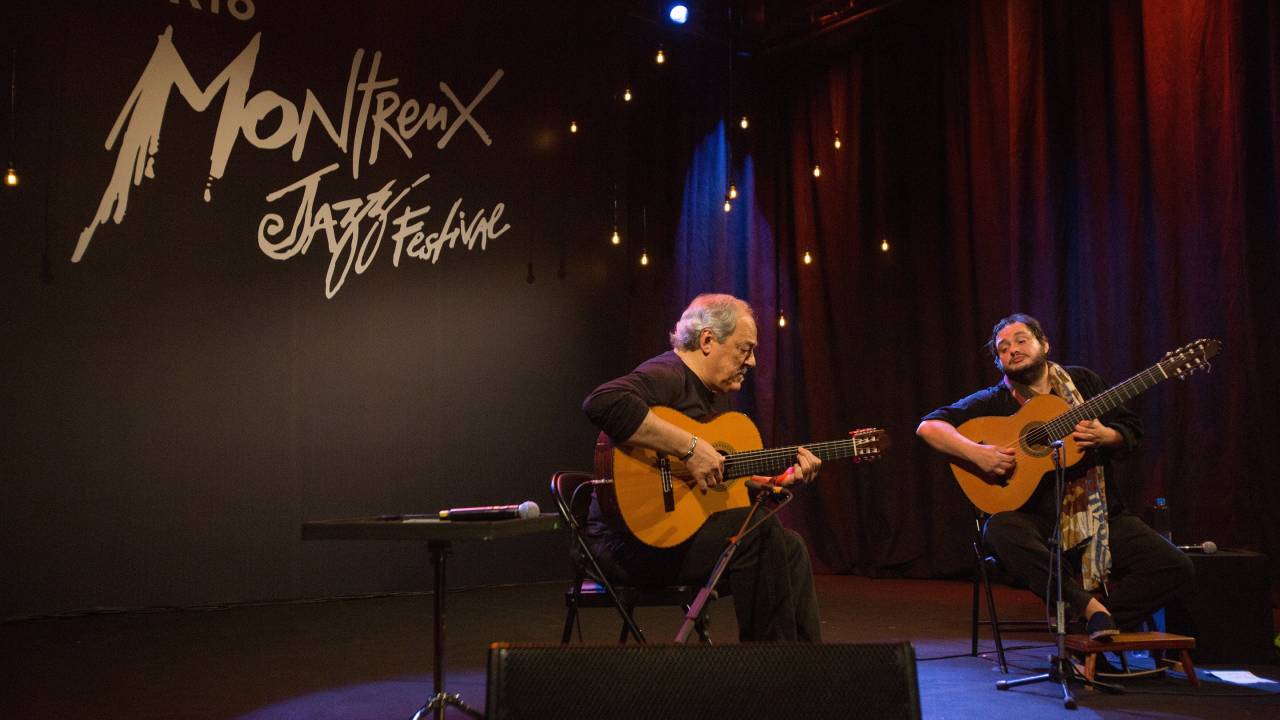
{"x":715,"y":312}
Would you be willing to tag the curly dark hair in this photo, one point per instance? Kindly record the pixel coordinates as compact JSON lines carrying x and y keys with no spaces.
{"x":1032,"y":324}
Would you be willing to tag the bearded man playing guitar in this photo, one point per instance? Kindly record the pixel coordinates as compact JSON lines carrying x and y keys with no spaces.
{"x":1092,"y":517}
{"x":769,"y":575}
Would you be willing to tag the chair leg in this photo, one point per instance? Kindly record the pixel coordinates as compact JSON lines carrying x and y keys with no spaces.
{"x":994,"y":618}
{"x":973,"y":625}
{"x":570,"y":619}
{"x":571,"y":614}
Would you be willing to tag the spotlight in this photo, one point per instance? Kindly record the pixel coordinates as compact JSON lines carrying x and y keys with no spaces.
{"x":679,"y":13}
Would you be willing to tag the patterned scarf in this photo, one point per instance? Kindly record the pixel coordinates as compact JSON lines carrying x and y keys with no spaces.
{"x":1083,"y":516}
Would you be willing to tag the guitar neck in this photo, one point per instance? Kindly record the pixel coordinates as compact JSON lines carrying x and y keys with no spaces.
{"x":1106,"y":401}
{"x":775,"y":460}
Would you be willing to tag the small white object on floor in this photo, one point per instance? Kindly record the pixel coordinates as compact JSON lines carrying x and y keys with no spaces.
{"x":1239,"y":677}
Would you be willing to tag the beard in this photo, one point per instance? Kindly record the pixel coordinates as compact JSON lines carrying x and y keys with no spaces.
{"x":1029,"y":374}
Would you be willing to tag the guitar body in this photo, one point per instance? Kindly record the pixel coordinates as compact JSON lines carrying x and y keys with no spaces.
{"x":1045,"y":417}
{"x":666,"y":519}
{"x":993,"y":494}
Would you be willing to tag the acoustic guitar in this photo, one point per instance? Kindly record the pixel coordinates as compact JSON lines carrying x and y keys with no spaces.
{"x":1046,"y":418}
{"x":654,"y":496}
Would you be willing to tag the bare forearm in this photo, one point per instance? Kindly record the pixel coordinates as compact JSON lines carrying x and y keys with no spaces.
{"x":658,"y":434}
{"x":943,"y":437}
{"x":988,"y":459}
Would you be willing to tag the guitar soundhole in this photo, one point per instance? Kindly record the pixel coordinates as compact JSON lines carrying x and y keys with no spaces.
{"x":1035,"y":439}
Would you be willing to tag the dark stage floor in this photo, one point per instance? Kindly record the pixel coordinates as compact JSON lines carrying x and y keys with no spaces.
{"x":371,"y":658}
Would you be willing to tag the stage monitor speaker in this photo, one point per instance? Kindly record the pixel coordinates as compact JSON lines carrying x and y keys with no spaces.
{"x":702,"y":681}
{"x":1228,"y":610}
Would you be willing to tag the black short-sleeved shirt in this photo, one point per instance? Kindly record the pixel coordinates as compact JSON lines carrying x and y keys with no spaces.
{"x":999,"y":401}
{"x":619,"y":406}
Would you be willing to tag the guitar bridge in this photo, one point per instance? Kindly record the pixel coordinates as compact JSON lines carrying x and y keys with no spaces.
{"x":664,"y":472}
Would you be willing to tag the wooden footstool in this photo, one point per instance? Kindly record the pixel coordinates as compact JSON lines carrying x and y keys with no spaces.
{"x":1137,"y":641}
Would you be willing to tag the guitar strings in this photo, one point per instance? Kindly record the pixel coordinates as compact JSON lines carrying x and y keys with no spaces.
{"x":752,"y":460}
{"x":1040,"y":434}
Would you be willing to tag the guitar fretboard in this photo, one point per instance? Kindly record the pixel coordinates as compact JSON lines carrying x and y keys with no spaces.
{"x":1104,"y":402}
{"x":775,"y":460}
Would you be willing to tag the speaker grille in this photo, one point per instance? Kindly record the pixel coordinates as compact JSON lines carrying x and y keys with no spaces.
{"x":701,"y":681}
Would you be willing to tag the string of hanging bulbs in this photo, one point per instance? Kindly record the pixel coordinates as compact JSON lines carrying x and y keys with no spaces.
{"x":660,"y":58}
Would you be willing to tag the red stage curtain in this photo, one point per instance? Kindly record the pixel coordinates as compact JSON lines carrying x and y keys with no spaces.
{"x":1110,"y":168}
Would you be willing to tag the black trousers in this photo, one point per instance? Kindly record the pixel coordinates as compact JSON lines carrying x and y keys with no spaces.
{"x":770,"y":576}
{"x":1149,"y":571}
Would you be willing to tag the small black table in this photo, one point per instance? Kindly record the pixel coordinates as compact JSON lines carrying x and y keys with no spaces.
{"x":440,"y":536}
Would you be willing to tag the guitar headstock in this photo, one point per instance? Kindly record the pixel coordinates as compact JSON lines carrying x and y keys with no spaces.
{"x":869,"y":443}
{"x":1189,"y":358}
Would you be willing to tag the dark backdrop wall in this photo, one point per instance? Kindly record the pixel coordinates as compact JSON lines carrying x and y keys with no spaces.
{"x":281,"y":260}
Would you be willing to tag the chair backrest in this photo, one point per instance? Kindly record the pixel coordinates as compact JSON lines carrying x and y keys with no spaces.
{"x":572,"y":503}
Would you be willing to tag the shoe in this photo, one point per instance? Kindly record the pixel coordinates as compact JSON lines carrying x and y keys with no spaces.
{"x":1101,"y":626}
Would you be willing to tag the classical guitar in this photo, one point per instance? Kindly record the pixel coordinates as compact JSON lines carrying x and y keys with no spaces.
{"x":656,"y":498}
{"x":1045,"y":418}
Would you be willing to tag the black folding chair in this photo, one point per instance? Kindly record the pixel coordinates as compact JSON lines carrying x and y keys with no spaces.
{"x":591,"y":588}
{"x":986,"y":564}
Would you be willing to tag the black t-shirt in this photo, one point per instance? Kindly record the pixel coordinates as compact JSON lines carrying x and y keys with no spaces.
{"x":619,"y":406}
{"x":997,"y":400}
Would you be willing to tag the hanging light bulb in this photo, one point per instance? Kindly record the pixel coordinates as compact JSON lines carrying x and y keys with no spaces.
{"x":727,"y":204}
{"x":884,"y":245}
{"x":11,"y":177}
{"x":615,"y":239}
{"x":743,"y":122}
{"x":817,"y":170}
{"x":660,"y":57}
{"x":782,"y":319}
{"x":808,"y":259}
{"x":733,"y":191}
{"x":644,"y":258}
{"x":573,"y":126}
{"x":837,"y":141}
{"x":626,"y":95}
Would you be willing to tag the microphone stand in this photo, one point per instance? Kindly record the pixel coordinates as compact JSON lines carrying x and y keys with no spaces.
{"x":708,"y":590}
{"x":1060,"y":669}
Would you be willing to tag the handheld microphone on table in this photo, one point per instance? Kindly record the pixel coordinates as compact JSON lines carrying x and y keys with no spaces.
{"x":525,"y":510}
{"x":1208,"y":547}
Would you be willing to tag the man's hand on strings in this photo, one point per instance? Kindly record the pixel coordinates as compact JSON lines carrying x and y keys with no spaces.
{"x":1093,"y":434}
{"x":999,"y":462}
{"x":706,"y":467}
{"x":804,"y":470}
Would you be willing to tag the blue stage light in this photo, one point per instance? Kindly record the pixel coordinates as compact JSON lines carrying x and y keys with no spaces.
{"x":679,"y":13}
